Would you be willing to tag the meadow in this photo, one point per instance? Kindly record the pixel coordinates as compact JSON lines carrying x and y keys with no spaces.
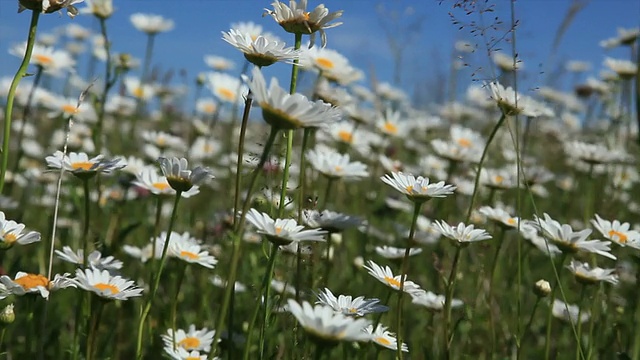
{"x":235,"y":216}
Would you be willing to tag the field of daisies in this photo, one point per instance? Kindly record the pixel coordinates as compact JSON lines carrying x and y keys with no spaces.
{"x":267,"y":220}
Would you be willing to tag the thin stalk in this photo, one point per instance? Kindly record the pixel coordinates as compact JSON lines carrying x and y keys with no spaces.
{"x":417,"y":206}
{"x":85,"y":229}
{"x":327,"y":261}
{"x":93,"y":329}
{"x":147,"y":58}
{"x":108,"y":83}
{"x":243,"y":132}
{"x":285,"y":174}
{"x":447,"y":337}
{"x":550,"y":314}
{"x":527,"y":328}
{"x":156,"y":232}
{"x":174,"y":305}
{"x":494,"y":267}
{"x":8,"y":111}
{"x":583,"y":293}
{"x":267,"y":292}
{"x":156,"y":283}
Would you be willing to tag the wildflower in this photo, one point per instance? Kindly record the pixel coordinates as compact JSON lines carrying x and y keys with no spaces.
{"x":105,"y":285}
{"x":295,"y":19}
{"x":417,"y":189}
{"x":204,"y":148}
{"x":625,"y":37}
{"x":569,"y":241}
{"x":226,"y":88}
{"x":282,"y":231}
{"x":624,"y":68}
{"x":542,"y":288}
{"x":512,"y":103}
{"x":334,"y":165}
{"x":530,"y":233}
{"x":218,"y":63}
{"x":164,"y":140}
{"x":151,"y":24}
{"x":139,"y":90}
{"x":81,"y":166}
{"x":586,"y":274}
{"x":568,"y":312}
{"x":52,"y":61}
{"x":102,"y":9}
{"x":25,"y":283}
{"x":329,"y":62}
{"x":12,"y":233}
{"x":83,"y":112}
{"x":178,"y":175}
{"x":182,"y":354}
{"x":500,"y":216}
{"x":188,"y":250}
{"x":590,"y":153}
{"x":330,"y":221}
{"x":506,"y":62}
{"x":7,"y":315}
{"x":149,"y":180}
{"x":432,"y":301}
{"x":193,"y":339}
{"x":390,"y":252}
{"x":346,"y":305}
{"x":95,"y":259}
{"x":385,"y":276}
{"x":324,"y":325}
{"x":221,"y":283}
{"x":617,"y":232}
{"x":289,"y":111}
{"x":385,"y":338}
{"x":260,"y":51}
{"x":462,"y":234}
{"x":50,"y":6}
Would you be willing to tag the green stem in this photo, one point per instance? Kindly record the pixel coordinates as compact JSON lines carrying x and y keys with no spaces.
{"x":527,"y":328}
{"x":551,"y":301}
{"x":447,"y":337}
{"x":285,"y":175}
{"x":85,"y":229}
{"x":93,"y":329}
{"x":494,"y":267}
{"x":481,"y":163}
{"x":417,"y":206}
{"x":108,"y":83}
{"x":156,"y":283}
{"x":583,"y":293}
{"x":147,"y":59}
{"x":174,"y":305}
{"x":8,"y":111}
{"x":156,"y":233}
{"x":266,"y":284}
{"x":243,"y":132}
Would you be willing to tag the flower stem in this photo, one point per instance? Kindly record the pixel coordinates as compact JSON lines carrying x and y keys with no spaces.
{"x":447,"y":304}
{"x":108,"y":83}
{"x":85,"y":229}
{"x":285,"y":174}
{"x":583,"y":293}
{"x":266,"y":285}
{"x":22,"y":70}
{"x":93,"y":329}
{"x":417,"y":206}
{"x":494,"y":268}
{"x":174,"y":305}
{"x":243,"y":131}
{"x":527,"y":328}
{"x":156,"y":283}
{"x":551,"y":301}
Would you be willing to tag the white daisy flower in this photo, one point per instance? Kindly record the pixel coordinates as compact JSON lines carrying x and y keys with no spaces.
{"x":204,"y":148}
{"x":385,"y":276}
{"x":54,"y":62}
{"x":219,"y":63}
{"x":390,"y":252}
{"x":81,"y":166}
{"x":530,"y":233}
{"x":323,"y":323}
{"x":289,"y":111}
{"x":381,"y":336}
{"x":512,"y":103}
{"x":95,"y":259}
{"x":12,"y":232}
{"x":586,"y":274}
{"x":191,"y":252}
{"x":417,"y":189}
{"x":433,"y":301}
{"x":624,"y":68}
{"x":282,"y":231}
{"x":261,"y":51}
{"x":221,"y":283}
{"x":391,"y":124}
{"x":149,"y":179}
{"x":102,"y":9}
{"x":282,"y":287}
{"x":619,"y":233}
{"x":329,"y":62}
{"x":590,"y":153}
{"x":192,"y":339}
{"x":181,"y":354}
{"x":295,"y":18}
{"x":346,"y":305}
{"x":65,"y":107}
{"x":500,"y":216}
{"x":226,"y":88}
{"x":334,"y":165}
{"x":330,"y":221}
{"x":151,"y":24}
{"x":25,"y":283}
{"x":569,"y":312}
{"x":106,"y":285}
{"x":164,"y":140}
{"x":179,"y":176}
{"x":461,"y":234}
{"x":207,"y":107}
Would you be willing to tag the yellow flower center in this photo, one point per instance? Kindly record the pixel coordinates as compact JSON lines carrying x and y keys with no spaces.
{"x":389,"y":127}
{"x":353,"y":310}
{"x":338,"y":169}
{"x":208,"y":148}
{"x":69,"y":109}
{"x":189,"y":343}
{"x":189,"y":255}
{"x":227,"y":94}
{"x":82,"y":165}
{"x":498,"y":179}
{"x":161,"y":142}
{"x":511,"y":221}
{"x":209,"y":108}
{"x":31,"y":281}
{"x":138,"y":92}
{"x":464,"y":142}
{"x":622,"y":238}
{"x":391,"y":281}
{"x":305,"y":15}
{"x":111,"y":288}
{"x":10,"y":238}
{"x":160,"y":186}
{"x":193,"y":358}
{"x":278,"y":230}
{"x":43,"y":59}
{"x":383,"y":341}
{"x":325,"y":63}
{"x":345,"y":136}
{"x":409,"y":189}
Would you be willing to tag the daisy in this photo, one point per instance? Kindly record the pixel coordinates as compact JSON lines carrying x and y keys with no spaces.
{"x":330,"y":221}
{"x":325,"y":325}
{"x":182,"y":354}
{"x":164,"y":140}
{"x":569,"y":241}
{"x":391,"y":124}
{"x":417,"y":189}
{"x":625,"y":37}
{"x":52,"y":61}
{"x":285,"y":111}
{"x":12,"y":233}
{"x":261,"y":51}
{"x":390,"y":252}
{"x":81,"y":166}
{"x":506,"y":62}
{"x":151,"y":24}
{"x":226,"y":88}
{"x":326,"y":61}
{"x":512,"y":103}
{"x":25,"y":283}
{"x":433,"y":301}
{"x":204,"y":148}
{"x":206,"y":107}
{"x":218,"y":63}
{"x":120,"y":105}
{"x":586,"y":274}
{"x":282,"y":231}
{"x":106,"y":285}
{"x":334,"y":165}
{"x":83,"y":112}
{"x":221,"y":283}
{"x":193,"y":339}
{"x":102,"y":9}
{"x":619,"y":233}
{"x":139,"y":90}
{"x":381,"y":336}
{"x":590,"y":153}
{"x":179,"y":176}
{"x":95,"y":259}
{"x":624,"y":68}
{"x":569,"y":312}
{"x":385,"y":276}
{"x":50,"y":6}
{"x":530,"y":233}
{"x":149,"y":180}
{"x":346,"y":305}
{"x":191,"y":252}
{"x":462,"y":234}
{"x":294,"y":18}
{"x":282,"y":287}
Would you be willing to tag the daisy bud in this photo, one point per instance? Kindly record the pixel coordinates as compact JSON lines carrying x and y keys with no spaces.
{"x":7,"y":316}
{"x":542,"y":288}
{"x":358,"y":262}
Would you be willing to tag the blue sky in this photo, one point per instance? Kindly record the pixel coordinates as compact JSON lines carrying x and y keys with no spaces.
{"x":360,"y":38}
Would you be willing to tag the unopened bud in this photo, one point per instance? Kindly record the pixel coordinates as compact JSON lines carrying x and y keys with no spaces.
{"x":542,"y":288}
{"x":7,"y":316}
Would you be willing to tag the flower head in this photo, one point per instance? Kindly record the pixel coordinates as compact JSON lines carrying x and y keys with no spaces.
{"x":334,"y":165}
{"x":433,"y":301}
{"x":261,"y":50}
{"x":81,"y":166}
{"x":105,"y":285}
{"x":294,"y":18}
{"x":384,"y":338}
{"x":512,"y":103}
{"x":385,"y":276}
{"x":282,"y":231}
{"x":461,"y":234}
{"x":25,"y":283}
{"x":95,"y":259}
{"x":569,"y":312}
{"x":346,"y":305}
{"x":417,"y":189}
{"x":102,"y":9}
{"x":186,"y":249}
{"x":329,"y":220}
{"x":12,"y":232}
{"x":179,"y":176}
{"x":50,"y":6}
{"x":586,"y":274}
{"x":192,"y":339}
{"x":151,"y":24}
{"x":619,"y":233}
